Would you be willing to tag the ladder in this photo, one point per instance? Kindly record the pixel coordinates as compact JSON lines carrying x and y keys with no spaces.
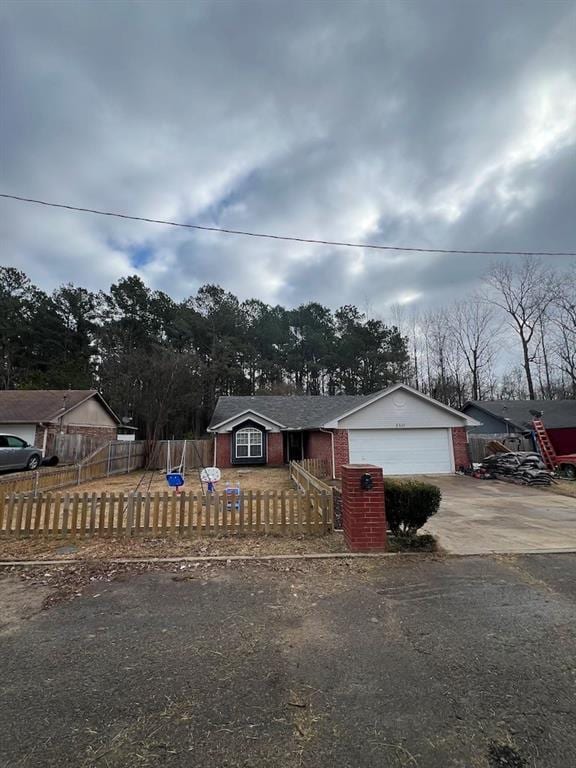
{"x":546,"y":447}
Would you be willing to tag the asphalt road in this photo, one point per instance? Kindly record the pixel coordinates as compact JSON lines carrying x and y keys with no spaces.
{"x":427,"y":662}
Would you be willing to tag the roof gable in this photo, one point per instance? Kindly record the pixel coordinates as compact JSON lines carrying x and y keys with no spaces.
{"x":402,"y":405}
{"x":556,"y":414}
{"x":238,"y":418}
{"x":31,"y":406}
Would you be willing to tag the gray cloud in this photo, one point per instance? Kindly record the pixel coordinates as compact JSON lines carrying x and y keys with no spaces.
{"x":431,"y":123}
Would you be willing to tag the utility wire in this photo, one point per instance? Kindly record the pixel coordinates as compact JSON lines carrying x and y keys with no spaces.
{"x":292,"y":239}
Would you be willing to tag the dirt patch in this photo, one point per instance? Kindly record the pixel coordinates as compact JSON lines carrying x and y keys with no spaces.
{"x":420,"y":542}
{"x":63,"y":582}
{"x":563,"y":488}
{"x":101,"y":549}
{"x":249,"y":479}
{"x":18,"y":603}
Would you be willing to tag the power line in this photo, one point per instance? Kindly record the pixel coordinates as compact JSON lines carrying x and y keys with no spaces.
{"x":288,"y":238}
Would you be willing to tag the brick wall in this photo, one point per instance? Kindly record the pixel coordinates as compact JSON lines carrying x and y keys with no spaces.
{"x":275,"y":455}
{"x":461,"y":449}
{"x":320,"y":447}
{"x":103,"y":434}
{"x":223,"y":451}
{"x":363,"y":511}
{"x":341,"y":450}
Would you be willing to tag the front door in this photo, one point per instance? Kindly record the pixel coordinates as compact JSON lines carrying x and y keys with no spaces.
{"x":293,"y":446}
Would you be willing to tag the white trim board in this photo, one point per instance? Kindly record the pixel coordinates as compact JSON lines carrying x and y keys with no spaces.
{"x":461,"y":418}
{"x":228,"y":424}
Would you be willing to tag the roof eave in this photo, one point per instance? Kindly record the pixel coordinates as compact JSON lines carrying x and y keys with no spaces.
{"x":488,"y":412}
{"x":217,"y":427}
{"x":469,"y":421}
{"x":94,"y":393}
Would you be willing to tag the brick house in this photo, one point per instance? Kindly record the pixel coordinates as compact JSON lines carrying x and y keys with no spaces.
{"x":37,"y":416}
{"x":399,"y":429}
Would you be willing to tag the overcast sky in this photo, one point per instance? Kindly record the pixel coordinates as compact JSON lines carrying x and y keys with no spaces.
{"x":434,"y":123}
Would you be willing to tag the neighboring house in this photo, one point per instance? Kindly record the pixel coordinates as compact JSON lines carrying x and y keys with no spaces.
{"x":37,"y":416}
{"x":508,"y":417}
{"x":399,"y":429}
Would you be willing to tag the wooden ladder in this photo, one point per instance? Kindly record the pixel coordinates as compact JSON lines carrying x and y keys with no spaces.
{"x":546,"y":447}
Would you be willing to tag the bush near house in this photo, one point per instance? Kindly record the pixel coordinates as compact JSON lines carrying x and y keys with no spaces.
{"x":409,"y":504}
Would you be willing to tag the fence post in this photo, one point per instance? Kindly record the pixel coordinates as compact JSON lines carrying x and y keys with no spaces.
{"x":128,"y":460}
{"x":36,"y":475}
{"x":363,"y":513}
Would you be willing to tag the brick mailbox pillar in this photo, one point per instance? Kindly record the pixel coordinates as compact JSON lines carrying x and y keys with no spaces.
{"x":363,"y":513}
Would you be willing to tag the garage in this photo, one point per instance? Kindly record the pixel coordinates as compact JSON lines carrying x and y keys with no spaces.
{"x":403,"y":451}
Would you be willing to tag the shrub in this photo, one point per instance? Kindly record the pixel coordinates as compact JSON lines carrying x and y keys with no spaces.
{"x":409,"y":504}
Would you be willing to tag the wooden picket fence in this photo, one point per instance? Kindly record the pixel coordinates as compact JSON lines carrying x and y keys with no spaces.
{"x":196,"y":453}
{"x":74,"y":515}
{"x":114,"y":458}
{"x":320,"y":468}
{"x":304,"y":479}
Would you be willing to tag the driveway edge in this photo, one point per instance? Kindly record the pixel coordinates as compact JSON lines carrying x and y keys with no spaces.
{"x":264,"y":558}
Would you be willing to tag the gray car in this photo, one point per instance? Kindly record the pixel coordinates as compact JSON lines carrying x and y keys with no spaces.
{"x":16,"y":453}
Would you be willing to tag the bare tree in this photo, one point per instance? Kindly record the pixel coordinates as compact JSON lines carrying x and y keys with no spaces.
{"x":475,"y":330}
{"x":445,"y":363}
{"x":524,"y":293}
{"x":564,"y":320}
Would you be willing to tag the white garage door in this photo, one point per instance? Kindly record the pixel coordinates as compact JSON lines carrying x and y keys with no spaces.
{"x":403,"y":451}
{"x":25,"y":431}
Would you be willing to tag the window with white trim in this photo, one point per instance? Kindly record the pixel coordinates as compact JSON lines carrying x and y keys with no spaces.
{"x":249,"y":443}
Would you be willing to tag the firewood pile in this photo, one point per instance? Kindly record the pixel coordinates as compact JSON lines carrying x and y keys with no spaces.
{"x":519,"y":467}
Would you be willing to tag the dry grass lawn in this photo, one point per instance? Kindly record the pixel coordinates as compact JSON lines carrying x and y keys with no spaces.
{"x":103,"y":549}
{"x":249,"y":478}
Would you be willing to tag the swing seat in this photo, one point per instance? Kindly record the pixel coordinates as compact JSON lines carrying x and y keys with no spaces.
{"x":175,"y":479}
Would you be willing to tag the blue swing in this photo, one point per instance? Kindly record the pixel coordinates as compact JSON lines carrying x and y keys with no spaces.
{"x":175,"y":477}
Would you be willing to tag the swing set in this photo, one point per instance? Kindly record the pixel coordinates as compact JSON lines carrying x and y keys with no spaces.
{"x":176,"y":475}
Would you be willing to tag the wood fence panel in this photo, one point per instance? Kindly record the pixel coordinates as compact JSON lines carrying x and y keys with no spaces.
{"x":304,"y":479}
{"x":155,"y":513}
{"x":216,"y":500}
{"x":478,"y":444}
{"x":38,"y":512}
{"x":74,"y":515}
{"x":199,"y":512}
{"x":194,"y":453}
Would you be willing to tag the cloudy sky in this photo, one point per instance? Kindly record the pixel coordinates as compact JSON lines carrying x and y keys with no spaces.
{"x":430,"y":123}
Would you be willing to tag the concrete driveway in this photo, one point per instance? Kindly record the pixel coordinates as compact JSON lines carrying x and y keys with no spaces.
{"x":478,"y":516}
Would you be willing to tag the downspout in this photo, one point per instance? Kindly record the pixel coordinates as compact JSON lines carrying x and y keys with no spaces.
{"x":44,"y":439}
{"x":331,"y":433}
{"x":215,"y":444}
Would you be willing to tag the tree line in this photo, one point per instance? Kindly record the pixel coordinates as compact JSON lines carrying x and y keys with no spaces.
{"x":162,"y":364}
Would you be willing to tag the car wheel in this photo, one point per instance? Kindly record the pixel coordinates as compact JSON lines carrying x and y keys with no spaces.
{"x":568,"y":471}
{"x":33,"y":462}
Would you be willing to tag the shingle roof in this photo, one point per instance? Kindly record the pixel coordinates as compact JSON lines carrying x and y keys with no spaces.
{"x":555,"y":413}
{"x":30,"y":406}
{"x":292,"y":411}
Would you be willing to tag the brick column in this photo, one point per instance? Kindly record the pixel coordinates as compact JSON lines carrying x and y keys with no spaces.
{"x":461,"y":448}
{"x":363,"y":513}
